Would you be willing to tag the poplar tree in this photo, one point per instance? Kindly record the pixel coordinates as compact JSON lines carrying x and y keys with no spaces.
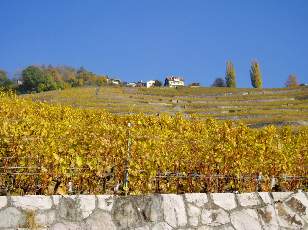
{"x":292,"y":81}
{"x":255,"y":75}
{"x":230,"y":75}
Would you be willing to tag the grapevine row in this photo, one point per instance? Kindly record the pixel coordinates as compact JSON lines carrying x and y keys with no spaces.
{"x":89,"y":149}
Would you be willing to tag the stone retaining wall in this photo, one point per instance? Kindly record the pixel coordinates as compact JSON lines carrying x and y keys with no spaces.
{"x":199,"y":211}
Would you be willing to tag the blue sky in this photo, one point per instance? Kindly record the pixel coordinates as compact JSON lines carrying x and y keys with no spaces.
{"x":142,"y":40}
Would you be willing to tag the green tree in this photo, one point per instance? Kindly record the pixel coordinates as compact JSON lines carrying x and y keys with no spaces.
{"x":3,"y":76}
{"x":36,"y":79}
{"x":85,"y":77}
{"x":5,"y":82}
{"x":219,"y":82}
{"x":56,"y":77}
{"x":255,"y":75}
{"x":291,"y":81}
{"x":157,"y":83}
{"x":67,"y":73}
{"x":101,"y":80}
{"x":230,"y":75}
{"x":54,"y":73}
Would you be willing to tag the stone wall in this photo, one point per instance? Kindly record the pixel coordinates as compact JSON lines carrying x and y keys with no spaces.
{"x":189,"y":211}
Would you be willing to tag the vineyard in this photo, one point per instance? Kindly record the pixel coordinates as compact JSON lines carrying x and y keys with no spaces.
{"x":44,"y":148}
{"x":254,"y":107}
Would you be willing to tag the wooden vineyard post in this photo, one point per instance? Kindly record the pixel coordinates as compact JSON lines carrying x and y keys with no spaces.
{"x":125,"y":184}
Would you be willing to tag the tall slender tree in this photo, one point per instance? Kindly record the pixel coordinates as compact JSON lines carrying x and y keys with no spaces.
{"x":230,"y":75}
{"x":292,"y":81}
{"x":255,"y":75}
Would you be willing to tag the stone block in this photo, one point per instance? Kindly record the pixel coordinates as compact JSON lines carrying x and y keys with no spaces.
{"x":67,"y":226}
{"x":193,"y":210}
{"x":3,"y":201}
{"x":226,"y":227}
{"x":245,"y":219}
{"x":125,"y":214}
{"x":193,"y":215}
{"x":281,"y":196}
{"x":198,"y":199}
{"x":268,"y":218}
{"x":45,"y":219}
{"x":214,"y":217}
{"x":193,"y":221}
{"x":248,"y":199}
{"x":143,"y":228}
{"x":69,"y":209}
{"x":265,"y":197}
{"x":224,"y":200}
{"x":100,"y":220}
{"x":287,"y":218}
{"x":174,"y":210}
{"x":150,"y":208}
{"x":56,"y":199}
{"x":161,"y":226}
{"x":31,"y":202}
{"x":86,"y":204}
{"x":298,"y":202}
{"x":11,"y":218}
{"x":105,"y":202}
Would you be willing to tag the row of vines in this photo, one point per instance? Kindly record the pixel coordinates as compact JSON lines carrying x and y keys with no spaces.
{"x":45,"y":146}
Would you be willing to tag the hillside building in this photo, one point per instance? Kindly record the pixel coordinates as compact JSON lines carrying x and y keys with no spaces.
{"x":174,"y":81}
{"x":19,"y":82}
{"x":141,"y":84}
{"x":131,"y":84}
{"x":150,"y":83}
{"x":194,"y":85}
{"x":116,"y":82}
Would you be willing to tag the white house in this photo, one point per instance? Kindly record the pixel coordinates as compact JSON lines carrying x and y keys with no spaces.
{"x":174,"y":81}
{"x":19,"y":82}
{"x":131,"y":84}
{"x":150,"y":83}
{"x":115,"y":81}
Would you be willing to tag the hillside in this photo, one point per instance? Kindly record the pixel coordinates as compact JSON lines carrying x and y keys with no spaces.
{"x":89,"y":147}
{"x":252,"y":106}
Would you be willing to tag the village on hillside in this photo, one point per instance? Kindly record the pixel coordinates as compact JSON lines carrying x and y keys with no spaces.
{"x":170,"y":81}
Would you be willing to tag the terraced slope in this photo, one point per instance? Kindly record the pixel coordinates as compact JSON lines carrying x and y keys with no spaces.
{"x":252,"y":106}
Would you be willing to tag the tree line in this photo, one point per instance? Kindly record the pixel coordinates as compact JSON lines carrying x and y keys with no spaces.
{"x":39,"y":78}
{"x":44,"y":78}
{"x":255,"y":77}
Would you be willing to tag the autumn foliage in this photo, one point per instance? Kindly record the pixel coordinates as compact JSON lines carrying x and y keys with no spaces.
{"x":89,"y":148}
